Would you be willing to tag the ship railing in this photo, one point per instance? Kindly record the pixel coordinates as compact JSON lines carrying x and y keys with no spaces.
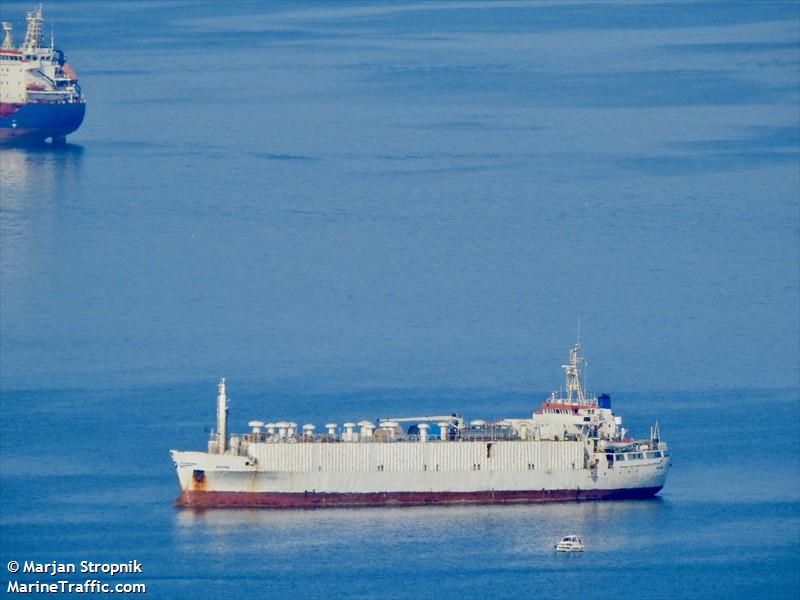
{"x":54,"y":98}
{"x":487,"y":435}
{"x":34,"y":93}
{"x":490,"y":436}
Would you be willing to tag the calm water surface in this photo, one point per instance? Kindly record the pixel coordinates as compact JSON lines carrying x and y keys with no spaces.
{"x":356,"y":209}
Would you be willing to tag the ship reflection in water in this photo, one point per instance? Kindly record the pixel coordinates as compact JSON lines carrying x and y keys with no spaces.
{"x":30,"y":179}
{"x":524,"y":530}
{"x":41,"y":166}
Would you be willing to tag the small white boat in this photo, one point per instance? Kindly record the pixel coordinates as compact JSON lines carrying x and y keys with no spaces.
{"x":570,"y":543}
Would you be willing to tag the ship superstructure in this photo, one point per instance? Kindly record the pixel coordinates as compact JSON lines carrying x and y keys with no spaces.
{"x":572,"y":448}
{"x":39,"y":93}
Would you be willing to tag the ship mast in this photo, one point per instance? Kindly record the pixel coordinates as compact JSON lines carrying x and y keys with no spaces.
{"x":8,"y":42}
{"x":222,"y":417}
{"x":573,"y":373}
{"x":34,"y":35}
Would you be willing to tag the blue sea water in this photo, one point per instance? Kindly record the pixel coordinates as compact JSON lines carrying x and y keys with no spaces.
{"x":355,"y":209}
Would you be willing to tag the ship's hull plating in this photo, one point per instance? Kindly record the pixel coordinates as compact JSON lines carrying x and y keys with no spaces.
{"x":34,"y":123}
{"x":407,"y":474}
{"x":203,"y":499}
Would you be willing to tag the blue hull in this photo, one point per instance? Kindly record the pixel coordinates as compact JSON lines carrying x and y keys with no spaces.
{"x":34,"y":123}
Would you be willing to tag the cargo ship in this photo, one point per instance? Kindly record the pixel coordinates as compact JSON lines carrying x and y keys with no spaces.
{"x":572,"y":448}
{"x":39,"y":93}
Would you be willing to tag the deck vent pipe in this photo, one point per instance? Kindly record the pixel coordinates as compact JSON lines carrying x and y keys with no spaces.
{"x":366,"y":429}
{"x":390,"y":427}
{"x":423,"y":431}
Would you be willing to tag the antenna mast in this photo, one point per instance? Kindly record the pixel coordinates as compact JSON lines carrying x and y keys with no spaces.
{"x":34,"y":35}
{"x":573,"y":373}
{"x":8,"y":42}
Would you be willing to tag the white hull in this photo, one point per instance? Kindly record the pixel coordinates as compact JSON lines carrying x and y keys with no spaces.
{"x":366,"y":468}
{"x":560,"y":453}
